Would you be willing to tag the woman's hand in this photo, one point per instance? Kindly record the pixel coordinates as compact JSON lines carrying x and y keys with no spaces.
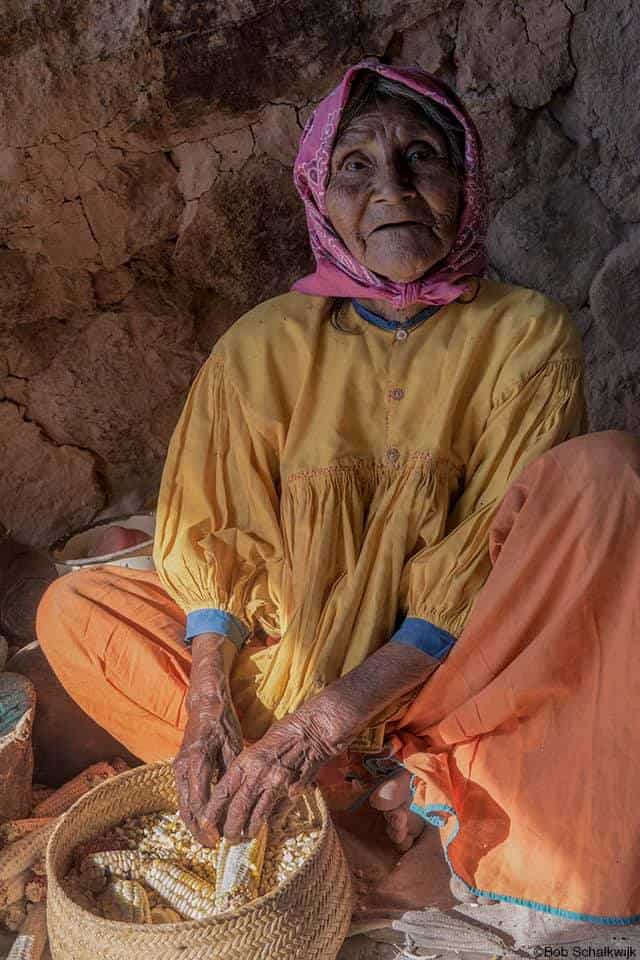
{"x":212,"y":738}
{"x":268,"y":774}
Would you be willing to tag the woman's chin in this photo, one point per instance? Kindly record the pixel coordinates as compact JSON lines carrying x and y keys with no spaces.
{"x":404,"y":270}
{"x":398,"y":275}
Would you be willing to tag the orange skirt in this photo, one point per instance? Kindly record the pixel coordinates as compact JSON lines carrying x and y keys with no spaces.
{"x":522,"y":744}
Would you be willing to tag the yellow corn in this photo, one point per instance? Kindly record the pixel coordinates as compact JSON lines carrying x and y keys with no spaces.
{"x":13,"y":916}
{"x":239,"y":871}
{"x":13,"y":890}
{"x":125,"y":900}
{"x":35,"y":890}
{"x":98,"y":868}
{"x":39,"y":866}
{"x":62,"y":799}
{"x":182,"y":890}
{"x":13,"y":830}
{"x":21,"y":855}
{"x":40,"y":792}
{"x":165,"y":915}
{"x":32,"y":936}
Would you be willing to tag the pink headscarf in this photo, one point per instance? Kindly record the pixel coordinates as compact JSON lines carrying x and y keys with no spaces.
{"x":338,"y":273}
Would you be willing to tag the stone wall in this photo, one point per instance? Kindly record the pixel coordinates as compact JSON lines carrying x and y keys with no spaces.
{"x":145,"y":170}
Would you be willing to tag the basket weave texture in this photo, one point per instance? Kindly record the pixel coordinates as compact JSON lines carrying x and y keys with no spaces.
{"x":306,"y":918}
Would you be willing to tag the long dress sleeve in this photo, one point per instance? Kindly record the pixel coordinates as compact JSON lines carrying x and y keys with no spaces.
{"x":218,"y":546}
{"x":441,"y":581}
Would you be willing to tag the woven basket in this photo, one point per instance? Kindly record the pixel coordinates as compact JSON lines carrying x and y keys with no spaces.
{"x":306,"y":918}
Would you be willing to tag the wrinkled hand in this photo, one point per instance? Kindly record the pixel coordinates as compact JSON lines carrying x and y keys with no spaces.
{"x":266,"y":776}
{"x":212,"y":739}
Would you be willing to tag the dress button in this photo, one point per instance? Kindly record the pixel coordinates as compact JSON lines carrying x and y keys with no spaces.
{"x":401,"y":334}
{"x":393,"y":454}
{"x":397,"y":394}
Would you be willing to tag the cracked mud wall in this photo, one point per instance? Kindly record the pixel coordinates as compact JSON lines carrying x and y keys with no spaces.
{"x":146,"y":202}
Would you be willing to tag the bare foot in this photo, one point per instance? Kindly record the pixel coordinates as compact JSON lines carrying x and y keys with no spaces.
{"x":393,"y":799}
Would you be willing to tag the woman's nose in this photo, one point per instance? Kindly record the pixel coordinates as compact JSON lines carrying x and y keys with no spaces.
{"x":394,"y":182}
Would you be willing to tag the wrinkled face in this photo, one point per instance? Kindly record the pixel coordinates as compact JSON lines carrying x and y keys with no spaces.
{"x":393,"y":196}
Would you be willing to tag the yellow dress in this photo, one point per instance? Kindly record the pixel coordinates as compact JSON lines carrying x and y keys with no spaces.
{"x":325,"y":485}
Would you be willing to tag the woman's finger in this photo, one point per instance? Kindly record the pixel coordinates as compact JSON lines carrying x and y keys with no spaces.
{"x":239,"y":811}
{"x":202,"y":767}
{"x":263,"y":811}
{"x":222,"y":794}
{"x":181,"y":771}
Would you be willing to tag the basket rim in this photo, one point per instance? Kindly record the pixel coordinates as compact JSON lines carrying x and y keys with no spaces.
{"x":185,"y":925}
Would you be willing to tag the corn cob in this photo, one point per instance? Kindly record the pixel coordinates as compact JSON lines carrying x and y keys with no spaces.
{"x":13,"y":830}
{"x":62,"y":799}
{"x":125,"y":900}
{"x":19,"y":856}
{"x":13,"y":916}
{"x":239,"y":870}
{"x":39,"y":866}
{"x":35,"y":890}
{"x":98,"y":869}
{"x":108,"y":843}
{"x":40,"y":792}
{"x":119,"y":765}
{"x":13,"y":890}
{"x":32,"y":936}
{"x":183,"y":891}
{"x":165,"y":915}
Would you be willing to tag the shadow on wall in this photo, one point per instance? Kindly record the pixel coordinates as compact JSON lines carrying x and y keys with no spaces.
{"x":147,"y":202}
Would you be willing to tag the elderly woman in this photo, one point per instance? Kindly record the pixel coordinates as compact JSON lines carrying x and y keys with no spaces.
{"x":375,"y":542}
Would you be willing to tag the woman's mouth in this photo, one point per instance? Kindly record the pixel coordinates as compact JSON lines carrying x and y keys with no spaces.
{"x":399,"y":224}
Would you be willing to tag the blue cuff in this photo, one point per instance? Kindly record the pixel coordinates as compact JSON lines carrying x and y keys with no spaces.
{"x":420,"y":633}
{"x":212,"y":620}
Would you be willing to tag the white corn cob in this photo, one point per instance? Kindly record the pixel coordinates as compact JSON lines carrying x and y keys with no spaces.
{"x":239,"y":871}
{"x":98,"y":868}
{"x":62,"y":799}
{"x":125,"y":900}
{"x":184,"y":891}
{"x":13,"y":889}
{"x":32,"y":936}
{"x":21,"y":855}
{"x":165,"y":915}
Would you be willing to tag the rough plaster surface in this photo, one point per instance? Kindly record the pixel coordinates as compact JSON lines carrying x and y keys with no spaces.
{"x":146,"y":202}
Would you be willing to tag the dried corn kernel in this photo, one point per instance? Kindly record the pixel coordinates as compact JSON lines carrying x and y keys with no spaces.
{"x":182,"y":879}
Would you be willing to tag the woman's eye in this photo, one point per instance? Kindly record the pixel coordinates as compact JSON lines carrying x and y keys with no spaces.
{"x":418,"y":154}
{"x":354,"y":165}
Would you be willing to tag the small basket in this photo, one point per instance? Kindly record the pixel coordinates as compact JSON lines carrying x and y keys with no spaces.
{"x":305,"y":918}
